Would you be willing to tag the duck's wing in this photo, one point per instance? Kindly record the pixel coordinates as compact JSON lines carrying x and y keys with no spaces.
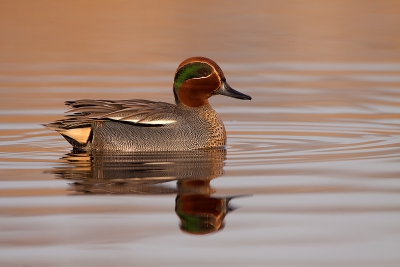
{"x":82,"y":113}
{"x":136,"y":111}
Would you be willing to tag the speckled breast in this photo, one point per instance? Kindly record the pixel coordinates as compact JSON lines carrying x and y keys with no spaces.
{"x":196,"y":128}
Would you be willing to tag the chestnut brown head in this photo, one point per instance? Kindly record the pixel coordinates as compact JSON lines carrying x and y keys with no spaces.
{"x":197,"y":79}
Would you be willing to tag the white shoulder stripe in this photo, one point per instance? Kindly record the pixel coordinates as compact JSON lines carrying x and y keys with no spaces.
{"x":144,"y":122}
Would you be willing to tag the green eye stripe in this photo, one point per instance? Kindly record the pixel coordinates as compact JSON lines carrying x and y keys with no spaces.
{"x":190,"y":71}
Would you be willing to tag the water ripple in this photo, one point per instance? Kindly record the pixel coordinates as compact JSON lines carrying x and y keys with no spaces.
{"x":256,"y":144}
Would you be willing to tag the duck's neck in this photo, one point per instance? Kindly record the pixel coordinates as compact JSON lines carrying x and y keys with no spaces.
{"x":206,"y":106}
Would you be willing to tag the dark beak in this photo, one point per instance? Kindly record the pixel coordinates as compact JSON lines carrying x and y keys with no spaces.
{"x":226,"y":90}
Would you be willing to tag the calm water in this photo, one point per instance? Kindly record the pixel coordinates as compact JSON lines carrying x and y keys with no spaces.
{"x":310,"y":175}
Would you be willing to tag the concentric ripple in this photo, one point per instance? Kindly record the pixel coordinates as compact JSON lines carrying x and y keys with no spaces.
{"x":262,"y":143}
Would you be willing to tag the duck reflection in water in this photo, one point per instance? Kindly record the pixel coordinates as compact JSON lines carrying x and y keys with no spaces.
{"x":147,"y":173}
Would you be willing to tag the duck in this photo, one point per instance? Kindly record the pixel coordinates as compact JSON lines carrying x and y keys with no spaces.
{"x":138,"y":125}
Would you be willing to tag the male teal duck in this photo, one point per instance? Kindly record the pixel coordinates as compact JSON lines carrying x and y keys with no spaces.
{"x":144,"y":125}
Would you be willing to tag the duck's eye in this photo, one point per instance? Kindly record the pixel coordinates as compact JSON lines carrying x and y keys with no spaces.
{"x":203,"y":72}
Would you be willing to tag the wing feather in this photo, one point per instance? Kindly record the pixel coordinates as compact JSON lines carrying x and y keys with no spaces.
{"x":84,"y":112}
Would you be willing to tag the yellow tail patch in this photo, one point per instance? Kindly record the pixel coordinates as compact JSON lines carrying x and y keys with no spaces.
{"x":81,"y":135}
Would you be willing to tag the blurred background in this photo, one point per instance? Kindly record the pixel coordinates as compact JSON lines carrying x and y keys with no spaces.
{"x":99,"y":31}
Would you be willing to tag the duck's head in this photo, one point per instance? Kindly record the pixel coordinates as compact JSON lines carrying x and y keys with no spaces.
{"x":197,"y":79}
